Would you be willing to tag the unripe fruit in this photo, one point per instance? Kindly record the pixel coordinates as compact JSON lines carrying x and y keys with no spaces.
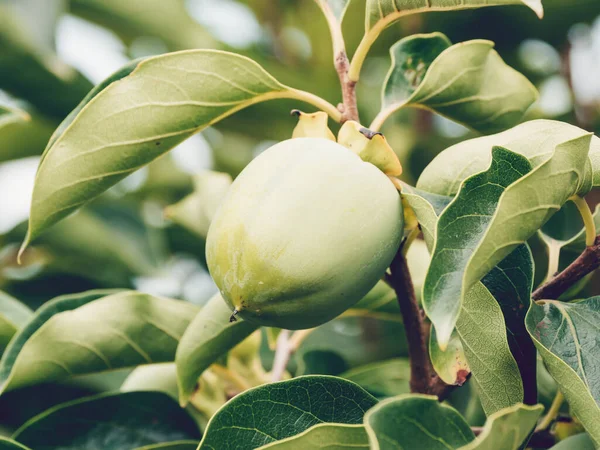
{"x":305,"y":231}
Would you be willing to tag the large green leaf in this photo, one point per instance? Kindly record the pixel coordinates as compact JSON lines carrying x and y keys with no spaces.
{"x":565,"y":334}
{"x":281,"y":410}
{"x":87,"y":334}
{"x":42,"y":315}
{"x":382,"y":379}
{"x":511,"y":283}
{"x":482,"y":330}
{"x":163,"y":378}
{"x":416,"y":421}
{"x":493,"y":213}
{"x":22,"y":134}
{"x":9,"y":444}
{"x":119,"y":421}
{"x":144,"y":111}
{"x":13,"y":316}
{"x":325,"y":436}
{"x":507,"y":429}
{"x":536,"y":140}
{"x":209,"y":336}
{"x":468,"y":82}
{"x":481,"y":326}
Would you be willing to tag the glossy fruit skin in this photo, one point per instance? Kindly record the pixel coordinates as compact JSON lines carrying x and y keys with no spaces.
{"x":305,"y":231}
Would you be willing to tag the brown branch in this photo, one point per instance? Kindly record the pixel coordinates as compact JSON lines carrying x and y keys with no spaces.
{"x":586,"y":263}
{"x":348,"y":108}
{"x":423,"y":378}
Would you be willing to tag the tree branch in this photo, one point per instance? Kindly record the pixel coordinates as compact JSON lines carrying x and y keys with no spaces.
{"x":348,"y":108}
{"x":586,"y":263}
{"x":423,"y":378}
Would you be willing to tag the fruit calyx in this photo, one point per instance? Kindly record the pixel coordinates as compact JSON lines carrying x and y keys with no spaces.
{"x":371,"y":146}
{"x":312,"y":125}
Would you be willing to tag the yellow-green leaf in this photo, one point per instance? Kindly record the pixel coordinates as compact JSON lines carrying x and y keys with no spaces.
{"x":494,"y":212}
{"x":139,"y":114}
{"x":507,"y":429}
{"x":94,"y":332}
{"x":325,"y":436}
{"x":467,"y":82}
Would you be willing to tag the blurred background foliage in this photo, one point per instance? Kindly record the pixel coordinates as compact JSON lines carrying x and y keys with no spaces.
{"x":53,"y":51}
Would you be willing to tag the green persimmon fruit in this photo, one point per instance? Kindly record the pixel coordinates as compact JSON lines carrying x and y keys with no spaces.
{"x":305,"y":231}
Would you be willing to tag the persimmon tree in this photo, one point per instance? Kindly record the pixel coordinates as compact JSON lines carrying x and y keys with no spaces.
{"x":317,"y":230}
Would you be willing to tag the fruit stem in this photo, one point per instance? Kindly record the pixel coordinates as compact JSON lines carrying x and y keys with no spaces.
{"x":552,"y":412}
{"x":423,"y":379}
{"x":588,"y":219}
{"x":348,"y":107}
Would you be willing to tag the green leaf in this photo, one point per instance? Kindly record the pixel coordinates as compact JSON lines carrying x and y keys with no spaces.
{"x":176,"y":445}
{"x":507,"y":429}
{"x":580,"y":441}
{"x":382,"y":13}
{"x":565,"y":334}
{"x":139,"y":115}
{"x":163,"y":378}
{"x":382,"y":379}
{"x":511,"y":283}
{"x":86,"y":334}
{"x":195,"y":212}
{"x":482,"y":330}
{"x":209,"y":336}
{"x":416,"y":421}
{"x":118,"y":421}
{"x":152,"y":377}
{"x":467,"y":82}
{"x":42,"y":315}
{"x":22,"y":134}
{"x":493,"y":213}
{"x":280,"y":410}
{"x":13,"y":316}
{"x":9,"y":444}
{"x":325,"y":436}
{"x":381,"y":298}
{"x":536,"y":140}
{"x":481,"y":326}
